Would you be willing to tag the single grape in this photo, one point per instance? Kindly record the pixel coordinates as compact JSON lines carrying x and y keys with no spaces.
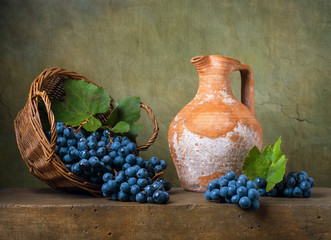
{"x":123,"y":151}
{"x":84,"y":154}
{"x":260,"y":182}
{"x":142,"y":173}
{"x":92,"y":153}
{"x":68,"y":133}
{"x":120,"y":178}
{"x":250,"y":185}
{"x":63,"y":151}
{"x":160,"y":197}
{"x":215,"y":194}
{"x":245,"y":202}
{"x":224,"y":192}
{"x":154,"y":161}
{"x":84,"y":164}
{"x":230,"y":175}
{"x":290,"y":181}
{"x":241,"y":182}
{"x":235,"y":199}
{"x":141,"y":182}
{"x":141,"y":198}
{"x":149,"y":190}
{"x":125,"y":166}
{"x":115,"y":146}
{"x":242,"y":191}
{"x":130,"y":172}
{"x":71,"y":142}
{"x":223,"y":183}
{"x":288,"y":192}
{"x":213,"y":184}
{"x":82,"y":146}
{"x":107,"y":160}
{"x":107,"y":176}
{"x":243,"y":177}
{"x":59,"y":129}
{"x":123,"y":197}
{"x":297,"y":192}
{"x":101,"y":151}
{"x":158,"y":168}
{"x":94,"y":162}
{"x":135,"y":189}
{"x":131,"y":159}
{"x":307,"y":193}
{"x":132,"y":147}
{"x":311,"y":181}
{"x":302,"y":173}
{"x":113,"y":154}
{"x":255,"y":205}
{"x":301,"y":178}
{"x":305,"y":185}
{"x":232,"y":190}
{"x":61,"y":141}
{"x":139,"y":161}
{"x":253,"y":194}
{"x":119,"y":161}
{"x":207,"y":195}
{"x":163,"y":164}
{"x":67,"y":159}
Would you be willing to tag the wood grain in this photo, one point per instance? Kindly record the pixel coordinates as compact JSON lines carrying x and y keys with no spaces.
{"x":48,"y":214}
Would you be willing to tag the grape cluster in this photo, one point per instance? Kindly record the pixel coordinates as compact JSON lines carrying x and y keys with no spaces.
{"x":230,"y":189}
{"x":293,"y":185}
{"x":110,"y":160}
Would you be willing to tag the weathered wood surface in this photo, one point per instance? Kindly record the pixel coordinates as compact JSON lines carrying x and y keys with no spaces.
{"x":49,"y":214}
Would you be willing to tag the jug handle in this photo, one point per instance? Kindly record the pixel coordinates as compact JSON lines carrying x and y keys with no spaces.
{"x":247,"y":87}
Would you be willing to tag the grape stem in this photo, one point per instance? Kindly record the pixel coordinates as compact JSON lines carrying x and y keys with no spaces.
{"x":158,"y":175}
{"x":81,"y":125}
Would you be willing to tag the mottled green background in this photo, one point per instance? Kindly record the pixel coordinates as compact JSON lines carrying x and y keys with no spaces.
{"x":143,"y":48}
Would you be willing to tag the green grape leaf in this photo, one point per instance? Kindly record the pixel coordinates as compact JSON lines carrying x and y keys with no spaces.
{"x":121,"y":127}
{"x":112,"y":118}
{"x":82,"y":101}
{"x":129,"y":110}
{"x":134,"y":130}
{"x":270,"y":164}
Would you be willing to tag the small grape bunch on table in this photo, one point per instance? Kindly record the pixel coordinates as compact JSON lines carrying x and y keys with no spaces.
{"x":293,"y":185}
{"x":230,"y":189}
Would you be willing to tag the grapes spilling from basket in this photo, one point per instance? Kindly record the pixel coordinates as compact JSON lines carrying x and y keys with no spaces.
{"x":109,"y":160}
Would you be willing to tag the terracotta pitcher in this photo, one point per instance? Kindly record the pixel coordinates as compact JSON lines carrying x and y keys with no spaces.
{"x":214,"y":132}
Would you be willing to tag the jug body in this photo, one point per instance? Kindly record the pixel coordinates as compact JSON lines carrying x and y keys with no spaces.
{"x":213,"y":133}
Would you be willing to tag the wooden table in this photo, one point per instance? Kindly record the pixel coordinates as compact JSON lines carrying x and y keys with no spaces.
{"x":27,"y":213}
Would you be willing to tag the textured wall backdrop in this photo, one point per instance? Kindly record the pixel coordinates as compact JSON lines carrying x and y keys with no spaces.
{"x":143,"y":48}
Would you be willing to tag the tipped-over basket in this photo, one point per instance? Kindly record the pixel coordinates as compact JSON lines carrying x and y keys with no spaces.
{"x":38,"y":154}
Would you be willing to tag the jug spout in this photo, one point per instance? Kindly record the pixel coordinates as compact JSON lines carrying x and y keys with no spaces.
{"x":200,"y":62}
{"x":226,"y":65}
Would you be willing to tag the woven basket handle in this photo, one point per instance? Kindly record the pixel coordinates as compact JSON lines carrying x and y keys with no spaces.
{"x":51,"y":119}
{"x":155,"y":128}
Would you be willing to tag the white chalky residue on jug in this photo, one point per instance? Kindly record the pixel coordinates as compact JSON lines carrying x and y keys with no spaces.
{"x":196,"y":155}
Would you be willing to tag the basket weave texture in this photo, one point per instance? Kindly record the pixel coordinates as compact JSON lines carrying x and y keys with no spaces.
{"x":38,"y":154}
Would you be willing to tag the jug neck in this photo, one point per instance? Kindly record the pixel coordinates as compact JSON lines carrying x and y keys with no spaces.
{"x":214,"y":75}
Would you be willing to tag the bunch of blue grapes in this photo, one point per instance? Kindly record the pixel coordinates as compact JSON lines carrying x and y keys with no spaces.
{"x":104,"y":158}
{"x":293,"y":185}
{"x":230,"y":189}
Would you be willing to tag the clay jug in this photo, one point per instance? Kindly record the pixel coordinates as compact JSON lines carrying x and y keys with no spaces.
{"x":214,"y":132}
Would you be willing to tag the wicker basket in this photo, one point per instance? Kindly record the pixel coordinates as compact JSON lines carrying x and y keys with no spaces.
{"x":38,"y":154}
